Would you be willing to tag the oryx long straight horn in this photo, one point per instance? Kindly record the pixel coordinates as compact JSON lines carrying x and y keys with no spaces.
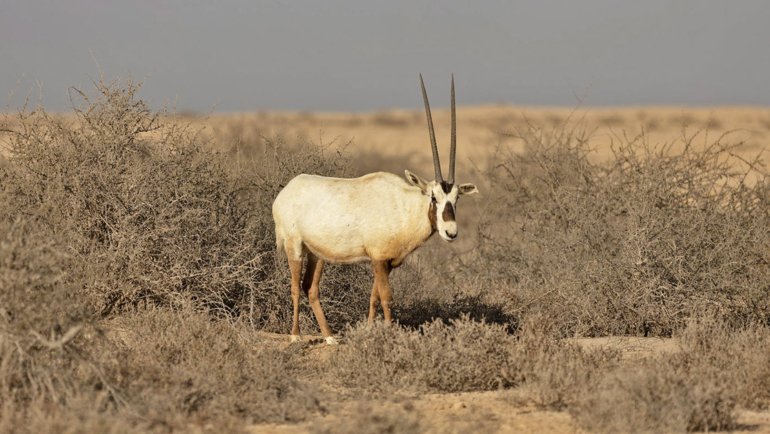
{"x":434,"y":147}
{"x":453,"y":143}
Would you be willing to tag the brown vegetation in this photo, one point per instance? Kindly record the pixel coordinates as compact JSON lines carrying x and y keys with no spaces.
{"x":137,"y":265}
{"x":634,"y":246}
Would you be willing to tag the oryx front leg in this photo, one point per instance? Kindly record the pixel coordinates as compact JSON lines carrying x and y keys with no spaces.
{"x":373,"y":300}
{"x":311,"y":286}
{"x":296,"y":268}
{"x":381,"y":273}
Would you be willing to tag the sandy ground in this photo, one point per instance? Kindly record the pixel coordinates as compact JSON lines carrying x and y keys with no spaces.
{"x":503,"y":411}
{"x":394,"y":140}
{"x":400,"y":137}
{"x":478,"y":412}
{"x":397,"y":139}
{"x":488,"y":412}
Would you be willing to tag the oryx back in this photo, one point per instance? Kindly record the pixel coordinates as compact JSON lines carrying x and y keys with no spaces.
{"x":378,"y":216}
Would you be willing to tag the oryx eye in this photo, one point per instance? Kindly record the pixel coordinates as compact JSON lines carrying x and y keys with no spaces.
{"x":433,"y":199}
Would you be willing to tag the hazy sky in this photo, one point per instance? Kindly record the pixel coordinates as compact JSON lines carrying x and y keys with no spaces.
{"x":362,"y":55}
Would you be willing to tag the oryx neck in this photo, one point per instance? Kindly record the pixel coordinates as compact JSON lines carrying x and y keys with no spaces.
{"x":432,"y":216}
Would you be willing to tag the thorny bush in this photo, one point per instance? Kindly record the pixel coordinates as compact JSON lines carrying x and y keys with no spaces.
{"x":151,"y":215}
{"x":633,"y":245}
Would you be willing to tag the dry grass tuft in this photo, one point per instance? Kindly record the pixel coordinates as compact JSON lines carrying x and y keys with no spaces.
{"x":183,"y":365}
{"x":557,"y":373}
{"x":736,"y":357}
{"x":659,"y":396}
{"x":463,"y":355}
{"x":153,"y":370}
{"x":718,"y":368}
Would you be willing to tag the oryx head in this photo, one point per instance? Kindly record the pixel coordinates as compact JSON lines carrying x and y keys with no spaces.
{"x":443,"y":194}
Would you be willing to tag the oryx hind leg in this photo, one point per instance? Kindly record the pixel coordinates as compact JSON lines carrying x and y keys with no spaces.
{"x":311,"y":287}
{"x":381,"y":273}
{"x":293,"y":250}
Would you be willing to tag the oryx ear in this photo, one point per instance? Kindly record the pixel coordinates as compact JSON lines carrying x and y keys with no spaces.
{"x":467,"y":189}
{"x":416,"y":180}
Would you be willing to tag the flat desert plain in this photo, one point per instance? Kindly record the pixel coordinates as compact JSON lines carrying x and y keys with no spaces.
{"x":394,"y":140}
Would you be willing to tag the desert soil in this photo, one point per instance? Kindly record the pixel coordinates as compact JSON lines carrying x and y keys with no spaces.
{"x":503,"y":411}
{"x":397,"y":139}
{"x":394,"y":140}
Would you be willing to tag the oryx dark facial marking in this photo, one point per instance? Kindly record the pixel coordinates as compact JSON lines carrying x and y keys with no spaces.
{"x":448,"y":215}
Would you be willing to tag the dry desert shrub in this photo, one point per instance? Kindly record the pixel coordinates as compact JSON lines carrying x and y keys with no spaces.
{"x":463,"y":355}
{"x":738,"y":357}
{"x":46,"y":384}
{"x":698,"y":388}
{"x":154,"y":370}
{"x":557,"y":373}
{"x":116,"y":215}
{"x":177,"y":366}
{"x":634,"y":245}
{"x":38,"y":295}
{"x":151,"y":215}
{"x":659,"y":396}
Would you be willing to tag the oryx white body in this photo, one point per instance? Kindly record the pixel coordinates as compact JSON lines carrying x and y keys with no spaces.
{"x":379,"y":217}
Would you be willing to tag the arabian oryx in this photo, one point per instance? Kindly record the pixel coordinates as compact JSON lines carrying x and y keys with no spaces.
{"x":378,"y":217}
